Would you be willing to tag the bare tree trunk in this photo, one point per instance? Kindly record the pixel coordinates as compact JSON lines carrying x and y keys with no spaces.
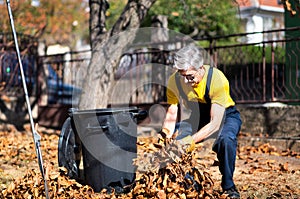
{"x":107,"y":48}
{"x":97,"y":21}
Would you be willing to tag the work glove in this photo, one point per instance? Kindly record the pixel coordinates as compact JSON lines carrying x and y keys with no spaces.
{"x":162,"y":137}
{"x":164,"y":132}
{"x":187,"y":143}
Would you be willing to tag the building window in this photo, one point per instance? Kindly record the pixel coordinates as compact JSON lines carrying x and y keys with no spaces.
{"x":35,"y":3}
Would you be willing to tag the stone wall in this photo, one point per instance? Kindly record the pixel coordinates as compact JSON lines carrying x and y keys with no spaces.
{"x":276,"y":124}
{"x":271,"y":120}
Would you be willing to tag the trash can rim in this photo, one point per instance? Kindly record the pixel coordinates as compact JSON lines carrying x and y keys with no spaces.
{"x":105,"y":110}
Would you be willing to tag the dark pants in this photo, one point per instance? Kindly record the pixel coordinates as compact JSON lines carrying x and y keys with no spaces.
{"x":225,"y":144}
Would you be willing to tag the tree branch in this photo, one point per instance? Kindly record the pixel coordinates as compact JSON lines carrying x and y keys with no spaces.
{"x":132,"y":15}
{"x":97,"y":20}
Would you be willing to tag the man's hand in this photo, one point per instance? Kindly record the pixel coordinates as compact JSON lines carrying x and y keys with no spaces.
{"x":164,"y":132}
{"x":188,"y":143}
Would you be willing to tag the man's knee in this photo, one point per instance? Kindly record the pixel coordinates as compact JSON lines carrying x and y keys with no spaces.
{"x":224,"y":142}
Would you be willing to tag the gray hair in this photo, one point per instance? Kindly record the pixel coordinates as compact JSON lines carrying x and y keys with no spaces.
{"x":188,"y":56}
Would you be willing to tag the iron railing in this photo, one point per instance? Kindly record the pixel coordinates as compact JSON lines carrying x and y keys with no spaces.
{"x":261,"y":72}
{"x":59,"y":80}
{"x":266,"y":71}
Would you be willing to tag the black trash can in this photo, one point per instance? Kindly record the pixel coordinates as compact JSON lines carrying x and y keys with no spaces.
{"x":108,"y":143}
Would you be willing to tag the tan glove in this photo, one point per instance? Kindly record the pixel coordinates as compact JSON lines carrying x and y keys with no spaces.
{"x":188,"y":143}
{"x":163,"y":133}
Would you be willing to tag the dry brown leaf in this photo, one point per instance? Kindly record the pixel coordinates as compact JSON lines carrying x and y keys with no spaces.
{"x":284,"y":167}
{"x":161,"y":194}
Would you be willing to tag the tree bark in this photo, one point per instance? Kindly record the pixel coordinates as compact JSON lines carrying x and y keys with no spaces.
{"x":107,"y":48}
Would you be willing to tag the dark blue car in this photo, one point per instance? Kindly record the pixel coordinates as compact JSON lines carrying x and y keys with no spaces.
{"x":10,"y":76}
{"x":59,"y":92}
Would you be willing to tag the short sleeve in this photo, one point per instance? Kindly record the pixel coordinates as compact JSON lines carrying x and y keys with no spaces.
{"x":172,"y":91}
{"x":219,"y":91}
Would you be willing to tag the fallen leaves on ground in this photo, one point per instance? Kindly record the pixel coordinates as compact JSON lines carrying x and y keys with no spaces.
{"x":259,"y":164}
{"x":166,"y":172}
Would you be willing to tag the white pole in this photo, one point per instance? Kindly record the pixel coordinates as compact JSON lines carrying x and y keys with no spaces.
{"x":36,"y":136}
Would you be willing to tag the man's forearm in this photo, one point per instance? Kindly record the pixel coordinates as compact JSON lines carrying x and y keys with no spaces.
{"x":205,"y":132}
{"x":217,"y":116}
{"x":170,"y":119}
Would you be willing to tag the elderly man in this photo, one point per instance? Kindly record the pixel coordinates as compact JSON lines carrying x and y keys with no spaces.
{"x":205,"y":91}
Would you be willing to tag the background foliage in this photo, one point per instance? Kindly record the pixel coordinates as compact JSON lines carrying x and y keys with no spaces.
{"x":53,"y":21}
{"x":199,"y":18}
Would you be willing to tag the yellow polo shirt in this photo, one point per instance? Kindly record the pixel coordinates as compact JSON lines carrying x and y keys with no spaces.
{"x":218,"y":92}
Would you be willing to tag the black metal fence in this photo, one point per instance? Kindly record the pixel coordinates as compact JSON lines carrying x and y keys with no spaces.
{"x":58,"y":80}
{"x":266,"y":71}
{"x":261,"y":72}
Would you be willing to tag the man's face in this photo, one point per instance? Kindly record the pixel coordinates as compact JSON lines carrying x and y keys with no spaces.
{"x":192,"y":76}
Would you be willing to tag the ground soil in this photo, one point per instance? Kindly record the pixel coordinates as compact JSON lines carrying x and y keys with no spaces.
{"x":261,"y":172}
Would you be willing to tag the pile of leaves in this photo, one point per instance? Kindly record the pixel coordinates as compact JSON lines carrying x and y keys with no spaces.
{"x":167,"y":171}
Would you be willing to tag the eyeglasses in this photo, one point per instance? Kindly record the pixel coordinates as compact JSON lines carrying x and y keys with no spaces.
{"x":189,"y":78}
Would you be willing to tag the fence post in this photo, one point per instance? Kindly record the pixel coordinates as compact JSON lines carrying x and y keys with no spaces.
{"x":272,"y":72}
{"x":211,"y":51}
{"x":264,"y":72}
